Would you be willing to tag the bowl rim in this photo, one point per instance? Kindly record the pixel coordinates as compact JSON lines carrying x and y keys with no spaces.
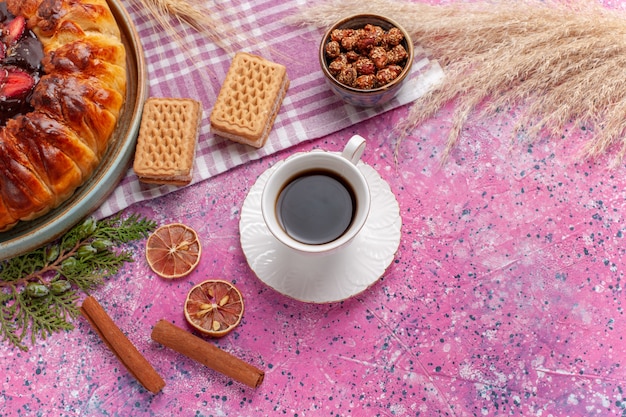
{"x":364,"y":16}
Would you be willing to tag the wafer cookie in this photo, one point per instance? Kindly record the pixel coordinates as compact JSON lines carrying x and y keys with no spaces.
{"x":166,"y":145}
{"x":249,"y":100}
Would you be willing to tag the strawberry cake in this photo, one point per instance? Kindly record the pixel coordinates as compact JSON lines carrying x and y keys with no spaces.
{"x":62,"y":87}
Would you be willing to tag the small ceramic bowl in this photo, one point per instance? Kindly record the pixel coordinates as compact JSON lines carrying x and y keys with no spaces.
{"x":366,"y":97}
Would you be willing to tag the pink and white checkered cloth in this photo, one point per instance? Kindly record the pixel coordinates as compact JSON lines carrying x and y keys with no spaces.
{"x":197,"y":69}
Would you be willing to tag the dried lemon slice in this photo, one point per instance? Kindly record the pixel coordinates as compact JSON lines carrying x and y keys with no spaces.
{"x":173,"y":250}
{"x":214,"y":307}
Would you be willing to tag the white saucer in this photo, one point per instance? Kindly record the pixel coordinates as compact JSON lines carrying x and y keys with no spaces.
{"x":327,"y":278}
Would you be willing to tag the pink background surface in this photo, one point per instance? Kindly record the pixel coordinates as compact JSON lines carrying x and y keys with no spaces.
{"x":505,"y":297}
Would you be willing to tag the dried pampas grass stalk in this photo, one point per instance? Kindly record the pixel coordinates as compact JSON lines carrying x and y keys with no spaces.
{"x":171,"y":14}
{"x":559,"y":62}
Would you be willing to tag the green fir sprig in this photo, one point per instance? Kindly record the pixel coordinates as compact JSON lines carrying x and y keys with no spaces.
{"x":39,"y":290}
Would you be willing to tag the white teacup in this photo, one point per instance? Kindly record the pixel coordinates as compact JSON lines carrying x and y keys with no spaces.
{"x":317,"y":202}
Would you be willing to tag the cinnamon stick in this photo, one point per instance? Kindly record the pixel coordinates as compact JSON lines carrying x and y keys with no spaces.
{"x":119,"y":344}
{"x":207,"y":354}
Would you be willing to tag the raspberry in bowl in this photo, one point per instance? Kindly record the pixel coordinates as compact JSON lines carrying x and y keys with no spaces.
{"x":366,"y":58}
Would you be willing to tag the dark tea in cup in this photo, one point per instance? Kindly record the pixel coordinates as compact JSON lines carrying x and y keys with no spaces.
{"x":316,"y":207}
{"x":316,"y":202}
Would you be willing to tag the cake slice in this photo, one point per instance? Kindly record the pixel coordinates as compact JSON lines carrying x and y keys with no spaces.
{"x":249,"y":100}
{"x":166,"y":145}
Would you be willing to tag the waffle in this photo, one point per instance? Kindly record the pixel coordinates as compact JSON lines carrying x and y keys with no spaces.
{"x":166,"y":144}
{"x":249,"y":100}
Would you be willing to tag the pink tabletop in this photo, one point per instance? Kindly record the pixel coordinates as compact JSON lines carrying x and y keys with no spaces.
{"x":505,"y":297}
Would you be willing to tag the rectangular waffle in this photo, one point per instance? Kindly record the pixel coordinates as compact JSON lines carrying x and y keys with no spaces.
{"x":249,"y":100}
{"x":166,"y":145}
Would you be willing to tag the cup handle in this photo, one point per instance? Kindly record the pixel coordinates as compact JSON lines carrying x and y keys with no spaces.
{"x":354,"y":149}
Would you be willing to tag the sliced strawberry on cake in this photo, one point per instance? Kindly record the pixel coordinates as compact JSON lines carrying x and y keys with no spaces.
{"x":15,"y":84}
{"x":13,"y":30}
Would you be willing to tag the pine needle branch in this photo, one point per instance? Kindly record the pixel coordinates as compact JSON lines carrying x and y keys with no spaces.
{"x":124,"y":230}
{"x":8,"y":326}
{"x":40,"y":289}
{"x":40,"y":316}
